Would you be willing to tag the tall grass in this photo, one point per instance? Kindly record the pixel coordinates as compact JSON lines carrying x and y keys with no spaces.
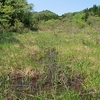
{"x":66,"y":66}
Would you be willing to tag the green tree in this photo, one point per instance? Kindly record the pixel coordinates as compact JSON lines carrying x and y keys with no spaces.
{"x":86,"y":14}
{"x":44,"y":15}
{"x":12,"y":12}
{"x":95,"y":9}
{"x":99,"y":11}
{"x":6,"y":10}
{"x":22,"y":9}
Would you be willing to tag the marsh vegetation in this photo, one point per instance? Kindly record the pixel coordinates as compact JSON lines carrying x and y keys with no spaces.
{"x":59,"y":60}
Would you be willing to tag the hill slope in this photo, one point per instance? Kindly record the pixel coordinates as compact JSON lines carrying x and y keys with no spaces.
{"x":60,"y":61}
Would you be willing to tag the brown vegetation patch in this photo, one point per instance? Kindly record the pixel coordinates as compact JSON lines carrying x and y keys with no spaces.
{"x":30,"y":81}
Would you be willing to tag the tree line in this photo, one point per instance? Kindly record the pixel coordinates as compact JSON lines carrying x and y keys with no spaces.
{"x":93,"y":11}
{"x":19,"y":16}
{"x":14,"y":14}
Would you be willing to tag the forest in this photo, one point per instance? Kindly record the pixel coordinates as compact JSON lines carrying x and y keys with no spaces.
{"x":46,"y":56}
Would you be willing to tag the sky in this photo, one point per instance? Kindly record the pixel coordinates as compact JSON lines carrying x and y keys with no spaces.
{"x":62,"y":6}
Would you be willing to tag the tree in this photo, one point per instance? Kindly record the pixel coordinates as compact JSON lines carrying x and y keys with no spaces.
{"x":44,"y":15}
{"x":6,"y":11}
{"x":22,"y":9}
{"x":86,"y":14}
{"x":12,"y":12}
{"x":95,"y":9}
{"x":99,"y":11}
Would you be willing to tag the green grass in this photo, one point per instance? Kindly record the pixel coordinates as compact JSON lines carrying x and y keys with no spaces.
{"x":80,"y":52}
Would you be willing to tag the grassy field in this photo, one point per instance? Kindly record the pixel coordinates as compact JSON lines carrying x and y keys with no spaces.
{"x":49,"y":66}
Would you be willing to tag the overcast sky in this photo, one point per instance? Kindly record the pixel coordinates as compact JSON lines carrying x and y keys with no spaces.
{"x":62,"y":6}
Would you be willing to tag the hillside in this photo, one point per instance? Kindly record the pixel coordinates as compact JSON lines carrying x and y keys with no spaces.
{"x":50,"y":57}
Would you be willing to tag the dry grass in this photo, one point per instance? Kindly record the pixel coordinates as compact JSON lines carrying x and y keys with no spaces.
{"x":46,"y":65}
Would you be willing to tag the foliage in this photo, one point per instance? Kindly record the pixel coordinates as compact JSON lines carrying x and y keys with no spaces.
{"x":12,"y":12}
{"x":60,"y":63}
{"x":93,"y":11}
{"x":78,"y":19}
{"x":17,"y":16}
{"x":44,"y":15}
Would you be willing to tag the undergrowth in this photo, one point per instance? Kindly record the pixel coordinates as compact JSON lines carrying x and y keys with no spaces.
{"x":49,"y":66}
